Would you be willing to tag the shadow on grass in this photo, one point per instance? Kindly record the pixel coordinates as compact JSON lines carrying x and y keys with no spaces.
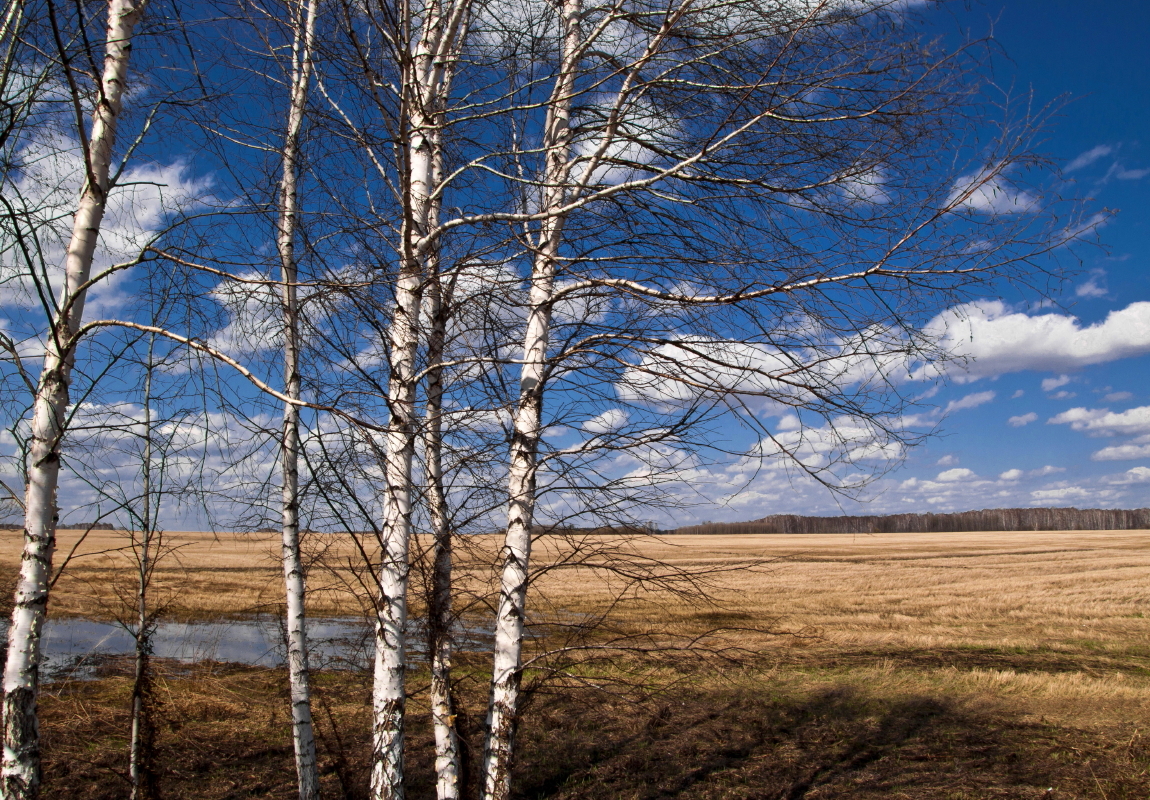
{"x":835,"y":743}
{"x":225,"y":735}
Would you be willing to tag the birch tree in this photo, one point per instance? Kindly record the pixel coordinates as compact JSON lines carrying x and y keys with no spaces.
{"x":303,"y":736}
{"x":422,"y":42}
{"x":21,"y":761}
{"x":141,"y":764}
{"x":510,"y":617}
{"x":440,"y":620}
{"x":743,"y":179}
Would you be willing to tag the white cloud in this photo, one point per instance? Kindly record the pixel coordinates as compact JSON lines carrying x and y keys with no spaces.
{"x":1115,"y":397}
{"x":868,"y":188}
{"x":1061,"y":494}
{"x":997,"y":340}
{"x":1089,"y":157}
{"x":958,"y":474}
{"x":1047,"y":470}
{"x":1063,"y":395}
{"x":640,"y":127}
{"x":1131,"y":174}
{"x":1104,"y":422}
{"x":969,"y":401}
{"x":610,"y":420}
{"x":46,"y":190}
{"x":1050,"y":384}
{"x":1017,"y":394}
{"x":991,"y":193}
{"x":1135,"y":475}
{"x":690,"y":367}
{"x":1095,"y":287}
{"x":1122,"y":452}
{"x":1022,"y":419}
{"x":1010,"y":475}
{"x":255,"y":321}
{"x":946,"y":461}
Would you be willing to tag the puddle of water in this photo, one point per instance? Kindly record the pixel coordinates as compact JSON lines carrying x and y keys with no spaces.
{"x":76,"y":647}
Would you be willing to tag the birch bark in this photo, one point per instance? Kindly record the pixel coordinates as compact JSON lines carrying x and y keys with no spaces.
{"x":423,"y":84}
{"x":20,"y":767}
{"x":303,"y":735}
{"x":503,"y":705}
{"x":389,"y":696}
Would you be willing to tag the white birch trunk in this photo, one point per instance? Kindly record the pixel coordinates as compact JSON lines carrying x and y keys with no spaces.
{"x":20,"y":767}
{"x":422,"y":87}
{"x":503,"y":705}
{"x":389,"y":696}
{"x":303,"y":735}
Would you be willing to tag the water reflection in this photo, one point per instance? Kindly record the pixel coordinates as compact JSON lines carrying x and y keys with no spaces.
{"x":76,"y":647}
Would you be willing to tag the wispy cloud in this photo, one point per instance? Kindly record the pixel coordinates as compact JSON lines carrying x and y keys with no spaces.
{"x":969,"y":401}
{"x":1089,"y":157}
{"x":1095,"y":287}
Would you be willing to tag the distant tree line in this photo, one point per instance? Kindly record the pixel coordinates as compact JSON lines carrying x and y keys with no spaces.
{"x":991,"y":519}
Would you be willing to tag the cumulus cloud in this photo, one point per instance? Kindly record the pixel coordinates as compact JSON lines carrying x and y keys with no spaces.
{"x":996,"y":340}
{"x":1089,"y":157}
{"x":1050,"y":384}
{"x":946,"y":461}
{"x":1135,"y":475}
{"x":1121,"y":452}
{"x":255,"y":321}
{"x":1115,"y":397}
{"x":957,"y":474}
{"x":1010,"y":475}
{"x":1022,"y":419}
{"x":767,"y":376}
{"x":1047,"y":470}
{"x":1104,"y":422}
{"x":45,"y":191}
{"x":841,"y":440}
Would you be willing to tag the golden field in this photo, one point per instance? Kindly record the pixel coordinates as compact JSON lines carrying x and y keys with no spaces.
{"x":1054,"y":590}
{"x":890,"y":665}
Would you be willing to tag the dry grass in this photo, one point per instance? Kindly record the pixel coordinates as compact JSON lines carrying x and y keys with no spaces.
{"x":925,"y":665}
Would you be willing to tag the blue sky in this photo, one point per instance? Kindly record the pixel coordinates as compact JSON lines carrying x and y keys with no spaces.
{"x":1062,"y":430}
{"x":1054,"y":408}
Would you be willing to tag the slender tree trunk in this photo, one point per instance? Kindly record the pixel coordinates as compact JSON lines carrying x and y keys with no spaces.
{"x":141,"y":769}
{"x":503,"y":704}
{"x":389,"y":697}
{"x":423,"y":83}
{"x":303,"y":735}
{"x":447,"y":754}
{"x":20,"y":770}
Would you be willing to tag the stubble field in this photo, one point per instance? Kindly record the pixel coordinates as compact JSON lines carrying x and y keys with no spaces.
{"x":893,"y":665}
